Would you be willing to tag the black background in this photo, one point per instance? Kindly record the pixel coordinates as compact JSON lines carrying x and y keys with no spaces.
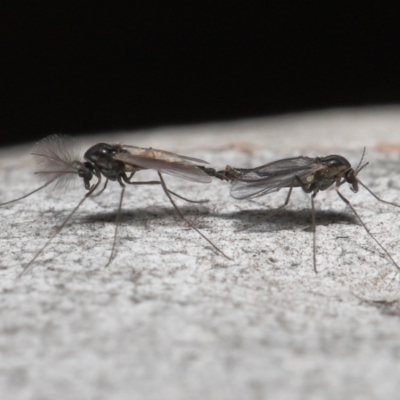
{"x":79,"y":67}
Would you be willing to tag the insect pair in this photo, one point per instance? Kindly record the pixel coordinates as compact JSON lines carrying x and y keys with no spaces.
{"x":58,"y":162}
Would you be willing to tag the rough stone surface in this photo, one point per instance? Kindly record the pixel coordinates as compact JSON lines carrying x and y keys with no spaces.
{"x":172,"y":319}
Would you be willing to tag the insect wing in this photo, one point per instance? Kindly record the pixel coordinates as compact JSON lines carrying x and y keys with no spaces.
{"x":163,"y":161}
{"x":273,"y":176}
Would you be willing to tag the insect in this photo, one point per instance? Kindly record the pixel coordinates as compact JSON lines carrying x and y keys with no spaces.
{"x":310,"y":174}
{"x":58,"y":162}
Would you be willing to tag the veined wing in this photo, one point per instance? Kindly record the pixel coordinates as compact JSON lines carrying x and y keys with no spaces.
{"x":273,"y":176}
{"x":163,"y":161}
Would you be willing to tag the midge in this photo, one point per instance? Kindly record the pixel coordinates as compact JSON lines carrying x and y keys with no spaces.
{"x":311,"y":174}
{"x":58,"y":162}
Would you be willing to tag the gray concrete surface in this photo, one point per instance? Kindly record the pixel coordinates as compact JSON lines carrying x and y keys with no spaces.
{"x":172,"y":319}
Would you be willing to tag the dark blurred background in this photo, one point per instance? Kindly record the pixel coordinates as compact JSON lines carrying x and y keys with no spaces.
{"x":81,"y":67}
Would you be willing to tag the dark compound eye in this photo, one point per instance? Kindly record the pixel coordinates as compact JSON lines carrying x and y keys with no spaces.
{"x":351,"y":176}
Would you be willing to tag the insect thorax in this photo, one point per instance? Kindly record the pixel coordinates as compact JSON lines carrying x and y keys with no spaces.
{"x":101,"y":156}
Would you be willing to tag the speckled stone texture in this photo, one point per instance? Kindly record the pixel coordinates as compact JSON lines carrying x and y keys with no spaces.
{"x":172,"y":319}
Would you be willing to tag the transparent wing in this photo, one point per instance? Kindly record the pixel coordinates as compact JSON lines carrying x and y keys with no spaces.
{"x":57,"y":159}
{"x":163,"y":161}
{"x":273,"y":176}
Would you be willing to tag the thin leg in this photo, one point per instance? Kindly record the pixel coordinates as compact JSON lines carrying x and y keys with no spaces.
{"x":378,"y":198}
{"x":313,"y":228}
{"x":117,"y":222}
{"x":58,"y":230}
{"x":128,"y":180}
{"x":187,"y":221}
{"x":188,"y":200}
{"x":365,"y":227}
{"x":308,"y":189}
{"x":272,"y":213}
{"x":102,"y":190}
